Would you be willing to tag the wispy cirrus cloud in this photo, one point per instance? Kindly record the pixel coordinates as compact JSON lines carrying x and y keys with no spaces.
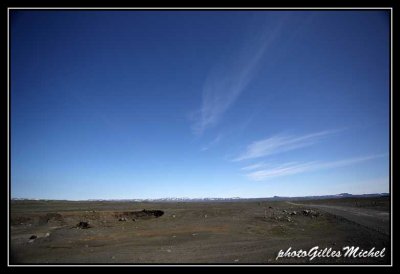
{"x":281,"y":143}
{"x":230,"y":77}
{"x":296,"y":168}
{"x":254,"y":166}
{"x":215,"y":141}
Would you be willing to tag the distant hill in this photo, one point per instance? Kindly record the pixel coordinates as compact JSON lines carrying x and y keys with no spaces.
{"x":185,"y":199}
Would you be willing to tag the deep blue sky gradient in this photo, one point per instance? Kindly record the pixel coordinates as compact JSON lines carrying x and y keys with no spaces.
{"x":150,"y":104}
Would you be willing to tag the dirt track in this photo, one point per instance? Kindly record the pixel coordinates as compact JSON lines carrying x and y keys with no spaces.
{"x":370,"y":218}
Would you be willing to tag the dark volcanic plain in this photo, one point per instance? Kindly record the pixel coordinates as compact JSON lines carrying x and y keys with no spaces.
{"x":234,"y":232}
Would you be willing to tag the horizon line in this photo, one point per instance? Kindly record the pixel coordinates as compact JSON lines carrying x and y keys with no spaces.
{"x":199,"y":198}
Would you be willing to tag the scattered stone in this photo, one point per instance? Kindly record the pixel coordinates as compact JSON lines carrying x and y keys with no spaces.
{"x":293,"y":213}
{"x":194,"y":234}
{"x":169,"y":250}
{"x":236,"y":260}
{"x":173,"y":236}
{"x":122,"y":219}
{"x":83,"y":225}
{"x":134,"y":219}
{"x":47,"y":234}
{"x":32,"y":239}
{"x":173,"y":216}
{"x":312,"y":213}
{"x":205,"y":216}
{"x":289,"y":219}
{"x":284,"y":211}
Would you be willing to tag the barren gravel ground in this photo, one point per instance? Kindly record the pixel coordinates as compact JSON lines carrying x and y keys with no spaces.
{"x":240,"y":232}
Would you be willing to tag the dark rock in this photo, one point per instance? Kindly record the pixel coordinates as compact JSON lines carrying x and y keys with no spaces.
{"x":312,"y":213}
{"x":83,"y":225}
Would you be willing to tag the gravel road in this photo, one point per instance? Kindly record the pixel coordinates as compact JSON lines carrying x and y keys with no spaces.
{"x":373,"y":219}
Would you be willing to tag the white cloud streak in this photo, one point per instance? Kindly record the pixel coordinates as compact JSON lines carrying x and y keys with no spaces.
{"x":212,"y":143}
{"x":229,"y":79}
{"x":255,"y":166}
{"x":296,"y":168}
{"x":280,"y":143}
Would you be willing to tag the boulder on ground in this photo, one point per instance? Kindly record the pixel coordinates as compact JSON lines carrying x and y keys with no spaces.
{"x":32,"y":239}
{"x":83,"y":225}
{"x":312,"y":213}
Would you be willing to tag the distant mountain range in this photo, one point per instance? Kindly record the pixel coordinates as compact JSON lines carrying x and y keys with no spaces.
{"x":185,"y":199}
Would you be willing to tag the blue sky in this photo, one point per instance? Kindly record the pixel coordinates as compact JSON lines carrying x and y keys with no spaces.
{"x":151,"y":104}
